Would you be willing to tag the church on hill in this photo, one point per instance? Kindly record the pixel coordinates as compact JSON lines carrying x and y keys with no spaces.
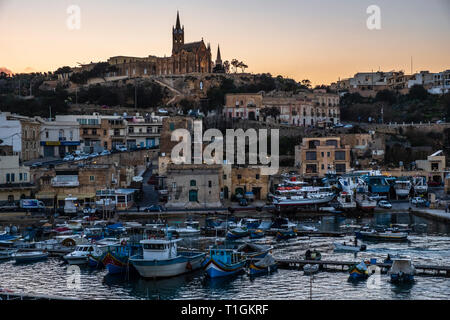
{"x":193,"y":57}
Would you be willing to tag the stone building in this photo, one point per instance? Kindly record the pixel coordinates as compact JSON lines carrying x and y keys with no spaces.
{"x":194,"y":186}
{"x":15,"y":182}
{"x":59,"y":137}
{"x":317,"y":156}
{"x":246,"y":180}
{"x":193,"y":57}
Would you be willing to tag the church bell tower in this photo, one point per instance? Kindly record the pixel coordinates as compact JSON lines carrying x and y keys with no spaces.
{"x":177,"y":36}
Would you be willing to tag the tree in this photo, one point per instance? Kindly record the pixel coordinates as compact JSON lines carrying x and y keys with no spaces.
{"x":243,"y":66}
{"x":226,"y":66}
{"x":235,"y":64}
{"x":306,"y":83}
{"x":386,"y":96}
{"x":418,"y":92}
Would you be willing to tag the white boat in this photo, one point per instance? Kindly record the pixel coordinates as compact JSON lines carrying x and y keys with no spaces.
{"x":402,"y":188}
{"x":7,"y":254}
{"x":348,"y":248}
{"x":402,"y":270}
{"x":346,"y":201}
{"x":81,"y":253}
{"x":310,"y":268}
{"x":363,"y":202}
{"x":161,"y":259}
{"x":30,"y":256}
{"x":187,"y":231}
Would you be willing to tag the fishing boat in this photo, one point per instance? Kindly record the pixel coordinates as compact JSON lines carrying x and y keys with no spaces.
{"x":116,"y":259}
{"x":343,"y":247}
{"x":256,"y":234}
{"x":313,"y":255}
{"x":364,"y":203}
{"x":402,"y":270}
{"x":285,"y":234}
{"x":30,"y":256}
{"x":253,"y":251}
{"x":7,"y":254}
{"x":249,"y":223}
{"x":95,"y":259}
{"x":237,"y":233}
{"x":187,"y":231}
{"x":381,"y":235}
{"x":263,"y":266}
{"x":223,"y":262}
{"x":358,"y":272}
{"x":161,"y":259}
{"x":402,"y":188}
{"x":346,"y":201}
{"x":309,"y":269}
{"x":81,"y":254}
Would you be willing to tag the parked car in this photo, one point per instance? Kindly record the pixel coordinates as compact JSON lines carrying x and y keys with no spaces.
{"x":36,"y":164}
{"x":69,"y":157}
{"x":155,"y":208}
{"x":384,"y":204}
{"x":121,"y":148}
{"x":338,"y":125}
{"x":418,"y":200}
{"x":89,"y":210}
{"x":105,"y":153}
{"x":348,"y":126}
{"x":243,"y":202}
{"x":93,"y":155}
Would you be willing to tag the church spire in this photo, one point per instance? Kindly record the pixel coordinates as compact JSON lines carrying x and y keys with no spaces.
{"x":178,"y":25}
{"x":219,"y":58}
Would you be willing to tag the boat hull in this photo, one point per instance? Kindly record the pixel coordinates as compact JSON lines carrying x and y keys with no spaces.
{"x":217,"y":269}
{"x":403,"y":278}
{"x":76,"y":260}
{"x":167,"y":268}
{"x":30,"y":258}
{"x":378,"y":237}
{"x":254,"y":270}
{"x":302,"y":203}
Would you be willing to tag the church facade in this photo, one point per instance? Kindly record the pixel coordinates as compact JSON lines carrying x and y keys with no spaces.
{"x":194,"y":57}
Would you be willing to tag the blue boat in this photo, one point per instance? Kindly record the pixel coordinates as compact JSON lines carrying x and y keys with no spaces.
{"x":223,"y":262}
{"x":378,"y":184}
{"x":358,"y":272}
{"x":253,"y":251}
{"x":285,"y":234}
{"x":116,"y":259}
{"x":256,"y":234}
{"x":237,"y":233}
{"x":263,"y":266}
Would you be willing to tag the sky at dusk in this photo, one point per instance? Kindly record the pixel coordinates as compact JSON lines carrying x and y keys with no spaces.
{"x":319,"y":40}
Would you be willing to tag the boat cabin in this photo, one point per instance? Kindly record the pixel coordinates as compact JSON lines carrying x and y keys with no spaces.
{"x":226,"y":256}
{"x":159,"y":249}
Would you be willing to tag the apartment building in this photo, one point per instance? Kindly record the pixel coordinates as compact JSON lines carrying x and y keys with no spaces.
{"x":317,"y":156}
{"x":15,"y":181}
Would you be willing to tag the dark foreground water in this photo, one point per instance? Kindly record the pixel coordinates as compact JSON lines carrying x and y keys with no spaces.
{"x":429,"y":244}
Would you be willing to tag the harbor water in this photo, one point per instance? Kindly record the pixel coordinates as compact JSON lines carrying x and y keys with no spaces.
{"x":429,"y":243}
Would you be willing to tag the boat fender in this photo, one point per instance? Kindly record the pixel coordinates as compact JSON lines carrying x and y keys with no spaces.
{"x":188,"y":265}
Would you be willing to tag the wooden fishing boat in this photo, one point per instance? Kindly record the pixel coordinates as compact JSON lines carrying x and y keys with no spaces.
{"x":358,"y":272}
{"x":223,"y":262}
{"x":237,"y":233}
{"x":285,"y":234}
{"x":263,"y":266}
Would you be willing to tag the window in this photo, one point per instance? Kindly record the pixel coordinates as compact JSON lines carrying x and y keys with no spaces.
{"x":104,"y":132}
{"x":25,"y":177}
{"x":339,"y":155}
{"x":331,"y":143}
{"x":209,"y":184}
{"x":193,"y":183}
{"x":328,"y":154}
{"x":174,"y":185}
{"x":239,"y":176}
{"x":8,"y":177}
{"x":172,"y":126}
{"x":20,"y":176}
{"x":13,"y":178}
{"x":257,"y":176}
{"x":46,"y":134}
{"x":224,"y":177}
{"x":311,"y":155}
{"x":340,"y":167}
{"x":311,"y":168}
{"x":91,"y":178}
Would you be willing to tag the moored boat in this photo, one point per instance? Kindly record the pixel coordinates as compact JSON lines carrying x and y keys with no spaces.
{"x":263,"y":266}
{"x":7,"y":254}
{"x":344,"y":247}
{"x":309,"y":269}
{"x":223,"y":262}
{"x":237,"y":233}
{"x":116,"y":259}
{"x":256,"y":234}
{"x":358,"y":272}
{"x":81,"y":254}
{"x":30,"y":256}
{"x":253,"y":251}
{"x":161,"y":259}
{"x":285,"y":234}
{"x":402,"y":270}
{"x":373,"y":235}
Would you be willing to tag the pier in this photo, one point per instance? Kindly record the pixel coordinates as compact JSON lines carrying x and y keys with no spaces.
{"x":334,"y":265}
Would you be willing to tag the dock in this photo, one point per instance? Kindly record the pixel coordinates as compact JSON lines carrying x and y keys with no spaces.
{"x":334,"y":265}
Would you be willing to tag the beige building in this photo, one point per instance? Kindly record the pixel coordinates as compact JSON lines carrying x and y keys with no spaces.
{"x":14,"y":179}
{"x":434,"y":166}
{"x":194,"y":186}
{"x":317,"y":156}
{"x":249,"y":179}
{"x":243,"y":105}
